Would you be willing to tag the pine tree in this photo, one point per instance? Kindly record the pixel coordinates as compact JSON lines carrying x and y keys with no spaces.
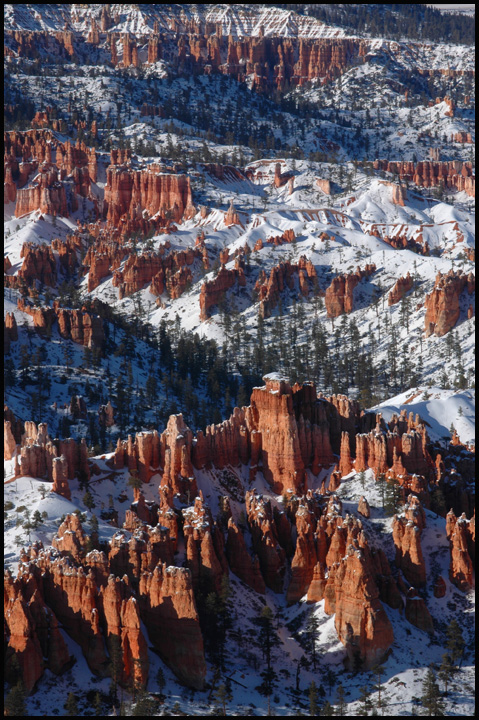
{"x":134,"y":481}
{"x":313,"y":699}
{"x":71,"y":705}
{"x":312,"y":634}
{"x":455,"y":641}
{"x":223,"y":696}
{"x":267,"y":641}
{"x":341,"y":703}
{"x":160,"y":681}
{"x":327,"y":710}
{"x":15,"y":705}
{"x":365,"y":700}
{"x":431,"y":696}
{"x":88,"y":500}
{"x":446,"y":671}
{"x":378,"y":672}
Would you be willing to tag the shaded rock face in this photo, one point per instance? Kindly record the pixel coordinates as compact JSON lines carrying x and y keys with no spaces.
{"x":79,"y":326}
{"x":213,"y":291}
{"x":272,"y":557}
{"x":168,"y":606}
{"x":240,"y":561}
{"x":403,"y":285}
{"x":417,"y":613}
{"x":442,"y":304}
{"x":339,"y":295}
{"x":283,"y":276}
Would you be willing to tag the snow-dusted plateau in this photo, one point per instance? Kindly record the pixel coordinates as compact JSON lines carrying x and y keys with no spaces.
{"x":239,"y":315}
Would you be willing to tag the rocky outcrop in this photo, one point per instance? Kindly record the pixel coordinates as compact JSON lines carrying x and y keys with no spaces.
{"x":38,"y":454}
{"x":417,"y":613}
{"x":80,"y":326}
{"x":60,"y":477}
{"x":240,"y":561}
{"x":38,"y":264}
{"x":407,"y":539}
{"x":204,"y":547}
{"x":9,"y":442}
{"x":403,"y":285}
{"x":273,"y":417}
{"x":23,"y":642}
{"x":168,"y":607}
{"x":305,"y":558}
{"x":176,"y":442}
{"x":282,"y":276}
{"x":213,"y":291}
{"x":452,"y":174}
{"x":339,"y":295}
{"x":272,"y":557}
{"x":130,"y":192}
{"x":398,"y":194}
{"x":165,"y":272}
{"x":361,"y":622}
{"x":439,"y":588}
{"x":46,"y":194}
{"x":443,"y":303}
{"x":106,"y":415}
{"x":460,"y":532}
{"x":363,"y":507}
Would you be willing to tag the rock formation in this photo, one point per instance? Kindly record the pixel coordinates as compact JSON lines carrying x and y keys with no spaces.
{"x":402,"y":286}
{"x":452,"y":174}
{"x":417,"y":613}
{"x":442,"y":304}
{"x":459,"y":531}
{"x":361,"y":622}
{"x":213,"y":291}
{"x":240,"y":561}
{"x":407,"y":539}
{"x":282,"y":276}
{"x":339,"y":295}
{"x":129,"y":192}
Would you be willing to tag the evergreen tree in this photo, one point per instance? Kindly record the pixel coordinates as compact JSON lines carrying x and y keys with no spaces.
{"x":392,"y":496}
{"x":327,"y":710}
{"x":71,"y":705}
{"x":267,"y":641}
{"x":134,"y":481}
{"x":431,"y":697}
{"x":312,"y":634}
{"x":145,"y":706}
{"x":160,"y":681}
{"x":223,"y":696}
{"x":313,"y":699}
{"x":455,"y":641}
{"x":15,"y":705}
{"x":378,"y":672}
{"x":88,"y":500}
{"x":365,"y":700}
{"x":446,"y":671}
{"x":341,"y":703}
